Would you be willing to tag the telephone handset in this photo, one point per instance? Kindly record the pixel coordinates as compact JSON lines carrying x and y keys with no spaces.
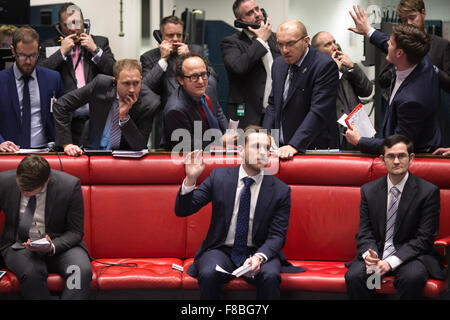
{"x":86,"y":25}
{"x":245,"y":25}
{"x":157,"y":35}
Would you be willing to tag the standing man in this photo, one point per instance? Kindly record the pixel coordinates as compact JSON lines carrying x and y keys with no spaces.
{"x":353,"y":83}
{"x":26,"y":92}
{"x":39,"y":202}
{"x":121,"y":111}
{"x":399,"y":218}
{"x":302,"y":105}
{"x":158,"y":67}
{"x":192,"y":102}
{"x":413,"y":12}
{"x":78,"y":56}
{"x":250,"y":217}
{"x":412,"y":110}
{"x":248,"y":56}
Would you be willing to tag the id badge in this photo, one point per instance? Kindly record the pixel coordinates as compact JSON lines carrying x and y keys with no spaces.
{"x":240,"y":110}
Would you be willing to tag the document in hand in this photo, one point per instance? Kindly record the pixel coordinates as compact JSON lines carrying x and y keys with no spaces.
{"x":241,"y":271}
{"x":360,"y":120}
{"x":39,"y":243}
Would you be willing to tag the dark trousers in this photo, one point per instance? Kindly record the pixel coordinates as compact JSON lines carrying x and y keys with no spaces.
{"x":32,"y":268}
{"x":410,"y":280}
{"x":210,"y":281}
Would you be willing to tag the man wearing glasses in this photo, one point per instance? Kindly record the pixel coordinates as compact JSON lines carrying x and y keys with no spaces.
{"x":302,"y":105}
{"x":26,"y":92}
{"x":193,"y":105}
{"x":399,"y":218}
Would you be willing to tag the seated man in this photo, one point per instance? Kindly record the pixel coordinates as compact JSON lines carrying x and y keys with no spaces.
{"x":399,"y":218}
{"x":193,"y":104}
{"x":39,"y":202}
{"x":412,"y":110}
{"x":353,"y":83}
{"x":26,"y":91}
{"x":249,"y":221}
{"x":121,"y":112}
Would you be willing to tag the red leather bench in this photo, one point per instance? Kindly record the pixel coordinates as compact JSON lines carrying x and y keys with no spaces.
{"x":129,"y":218}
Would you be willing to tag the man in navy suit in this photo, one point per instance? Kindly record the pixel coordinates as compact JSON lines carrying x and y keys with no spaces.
{"x":302,"y":105}
{"x":250,"y":217}
{"x":26,"y":92}
{"x":414,"y":99}
{"x":399,"y":218}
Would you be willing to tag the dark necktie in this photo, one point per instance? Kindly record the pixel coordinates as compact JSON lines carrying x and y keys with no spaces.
{"x":25,"y":223}
{"x":291,"y":74}
{"x":212,"y":120}
{"x":26,"y":115}
{"x":239,"y":251}
{"x":391,"y":216}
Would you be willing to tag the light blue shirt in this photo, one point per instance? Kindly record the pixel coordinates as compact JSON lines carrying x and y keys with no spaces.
{"x":104,"y":142}
{"x":38,"y":138}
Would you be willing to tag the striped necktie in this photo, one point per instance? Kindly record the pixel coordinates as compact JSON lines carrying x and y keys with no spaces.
{"x":115,"y":133}
{"x":389,"y":248}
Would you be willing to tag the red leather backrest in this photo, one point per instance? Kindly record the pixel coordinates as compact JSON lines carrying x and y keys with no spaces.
{"x":323,"y":223}
{"x":136,"y":222}
{"x":444,"y":224}
{"x":76,"y":166}
{"x":87,"y":215}
{"x":197,"y":228}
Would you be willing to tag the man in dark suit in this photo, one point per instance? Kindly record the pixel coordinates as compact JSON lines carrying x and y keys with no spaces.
{"x":193,"y":109}
{"x":248,"y":56}
{"x":399,"y":218}
{"x":78,"y":56}
{"x":413,"y":12}
{"x":412,"y":110}
{"x":302,"y":105}
{"x":121,"y":111}
{"x":158,"y":66}
{"x":353,"y":82}
{"x":26,"y":92}
{"x":42,"y":203}
{"x":249,"y":221}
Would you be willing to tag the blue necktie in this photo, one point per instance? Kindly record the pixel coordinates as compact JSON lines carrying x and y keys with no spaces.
{"x":239,"y":251}
{"x":212,"y":120}
{"x":389,"y":248}
{"x":115,"y":133}
{"x":26,"y":115}
{"x":25,"y":223}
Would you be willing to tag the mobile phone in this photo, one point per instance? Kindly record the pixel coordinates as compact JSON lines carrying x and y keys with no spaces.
{"x":245,"y":25}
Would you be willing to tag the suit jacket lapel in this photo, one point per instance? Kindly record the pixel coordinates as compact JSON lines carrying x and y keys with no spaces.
{"x":381,"y":210}
{"x":50,"y":198}
{"x":299,"y":77}
{"x":14,"y":96}
{"x":263,"y":202}
{"x":407,"y":197}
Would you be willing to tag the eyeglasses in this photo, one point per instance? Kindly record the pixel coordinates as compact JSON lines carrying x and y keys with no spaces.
{"x":392,"y":157}
{"x":23,"y":57}
{"x":289,"y":44}
{"x":194,"y":77}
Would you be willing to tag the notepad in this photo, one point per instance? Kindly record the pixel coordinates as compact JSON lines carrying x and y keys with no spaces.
{"x":241,"y":271}
{"x":39,"y":243}
{"x":359,"y":119}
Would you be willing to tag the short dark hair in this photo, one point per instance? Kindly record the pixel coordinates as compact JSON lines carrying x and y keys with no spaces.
{"x":407,"y":6}
{"x":390,"y":141}
{"x":237,"y":8}
{"x":26,"y":35}
{"x":64,"y":8}
{"x":180,"y":60}
{"x":170,"y":19}
{"x":32,"y":172}
{"x":412,"y":40}
{"x":126,"y":64}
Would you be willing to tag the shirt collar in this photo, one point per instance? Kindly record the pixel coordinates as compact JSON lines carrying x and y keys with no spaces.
{"x":401,"y":75}
{"x":399,"y":185}
{"x":18,"y":74}
{"x":299,"y":62}
{"x":258,"y":178}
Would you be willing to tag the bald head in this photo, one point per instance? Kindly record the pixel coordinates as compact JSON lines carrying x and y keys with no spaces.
{"x":293,"y":41}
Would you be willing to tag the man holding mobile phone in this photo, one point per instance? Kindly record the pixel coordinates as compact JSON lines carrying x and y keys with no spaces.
{"x":78,"y":56}
{"x":248,"y":56}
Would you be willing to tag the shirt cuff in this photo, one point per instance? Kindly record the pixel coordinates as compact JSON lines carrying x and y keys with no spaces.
{"x":63,"y":56}
{"x":264,"y":43}
{"x":163,"y":64}
{"x":394,"y":262}
{"x":371,"y":31}
{"x":124,"y":122}
{"x":53,"y":249}
{"x":365,"y":254}
{"x":262,"y":256}
{"x":95,"y":59}
{"x":185,"y":189}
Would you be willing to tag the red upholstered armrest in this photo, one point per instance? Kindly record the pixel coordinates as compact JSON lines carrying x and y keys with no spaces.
{"x":443,"y":242}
